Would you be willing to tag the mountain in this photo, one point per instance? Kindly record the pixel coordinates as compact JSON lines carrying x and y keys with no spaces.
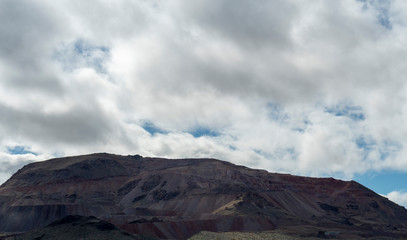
{"x":79,"y":227}
{"x":178,"y":198}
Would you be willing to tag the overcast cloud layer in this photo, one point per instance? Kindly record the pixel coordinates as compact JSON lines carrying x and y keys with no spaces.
{"x":315,"y":88}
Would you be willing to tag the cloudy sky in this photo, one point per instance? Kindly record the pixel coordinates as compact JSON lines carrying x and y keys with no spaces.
{"x":314,"y":88}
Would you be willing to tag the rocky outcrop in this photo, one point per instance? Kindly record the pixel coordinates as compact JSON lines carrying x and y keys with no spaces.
{"x":176,"y":198}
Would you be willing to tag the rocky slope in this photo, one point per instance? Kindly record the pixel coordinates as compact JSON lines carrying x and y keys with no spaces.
{"x":78,"y":227}
{"x":177,"y":198}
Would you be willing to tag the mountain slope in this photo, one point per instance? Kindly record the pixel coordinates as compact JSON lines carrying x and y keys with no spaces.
{"x":79,"y":227}
{"x":177,"y":198}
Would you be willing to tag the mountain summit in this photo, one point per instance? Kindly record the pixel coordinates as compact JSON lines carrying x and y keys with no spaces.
{"x":177,"y":198}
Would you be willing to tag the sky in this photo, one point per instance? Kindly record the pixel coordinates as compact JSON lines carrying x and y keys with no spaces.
{"x":313,"y":88}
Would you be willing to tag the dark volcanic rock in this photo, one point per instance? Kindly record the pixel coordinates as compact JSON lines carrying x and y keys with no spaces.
{"x":176,"y":198}
{"x":79,"y":227}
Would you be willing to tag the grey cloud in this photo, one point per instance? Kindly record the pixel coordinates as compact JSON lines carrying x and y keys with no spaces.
{"x":271,"y":72}
{"x":9,"y":167}
{"x":252,"y":24}
{"x":37,"y":79}
{"x":208,"y":64}
{"x":106,"y":22}
{"x":269,"y":76}
{"x":28,"y":33}
{"x":76,"y":126}
{"x":26,"y":29}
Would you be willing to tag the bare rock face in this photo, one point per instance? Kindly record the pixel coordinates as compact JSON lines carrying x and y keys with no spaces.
{"x":177,"y":198}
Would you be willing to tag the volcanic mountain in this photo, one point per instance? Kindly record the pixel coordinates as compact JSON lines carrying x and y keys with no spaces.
{"x":177,"y":198}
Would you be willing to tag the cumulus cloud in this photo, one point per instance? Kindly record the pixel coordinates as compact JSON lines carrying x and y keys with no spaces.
{"x":398,"y":197}
{"x":306,"y":88}
{"x":11,"y":162}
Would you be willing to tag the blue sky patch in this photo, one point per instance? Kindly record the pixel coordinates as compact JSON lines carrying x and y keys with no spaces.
{"x":353,"y":112}
{"x":276,"y":112}
{"x":85,"y":49}
{"x":152,"y":129}
{"x":20,"y":150}
{"x":233,"y":148}
{"x":81,"y":54}
{"x":384,"y":182}
{"x":382,"y":7}
{"x":300,"y":130}
{"x":389,"y":148}
{"x":386,"y":148}
{"x":366,"y":144}
{"x":384,"y":20}
{"x":203,"y":131}
{"x":263,"y":153}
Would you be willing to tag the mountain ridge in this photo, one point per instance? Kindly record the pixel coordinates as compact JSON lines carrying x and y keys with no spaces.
{"x":177,"y":198}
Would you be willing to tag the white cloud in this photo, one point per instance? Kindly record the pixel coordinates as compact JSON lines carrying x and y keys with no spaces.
{"x":398,"y":197}
{"x":307,"y":88}
{"x":11,"y":163}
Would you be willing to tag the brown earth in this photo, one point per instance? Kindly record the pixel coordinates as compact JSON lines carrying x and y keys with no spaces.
{"x":177,"y":198}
